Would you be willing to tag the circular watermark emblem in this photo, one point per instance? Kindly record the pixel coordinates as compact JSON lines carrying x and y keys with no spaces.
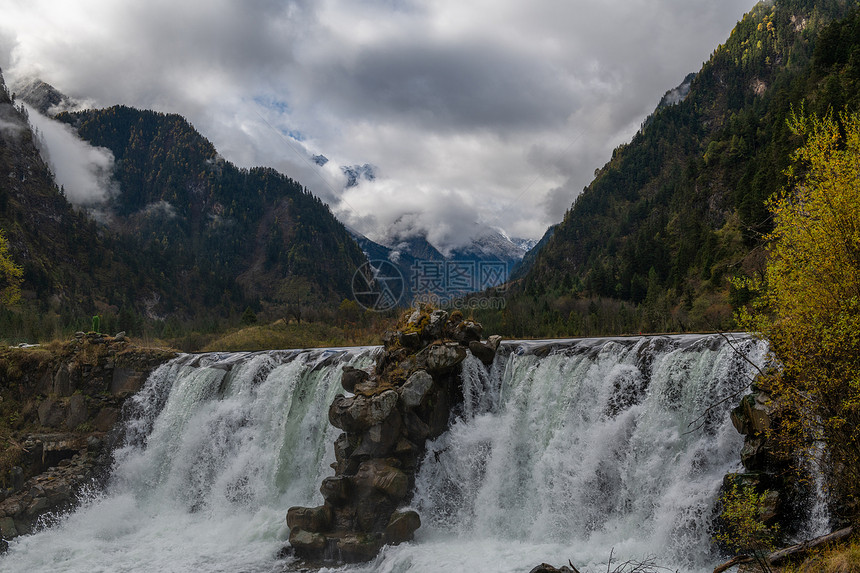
{"x":378,"y":285}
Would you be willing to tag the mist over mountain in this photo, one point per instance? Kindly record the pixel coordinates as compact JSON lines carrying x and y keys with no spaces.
{"x":182,"y":234}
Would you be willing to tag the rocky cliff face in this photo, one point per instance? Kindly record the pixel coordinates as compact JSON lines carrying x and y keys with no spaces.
{"x":767,"y":466}
{"x":59,"y":405}
{"x":389,"y":414}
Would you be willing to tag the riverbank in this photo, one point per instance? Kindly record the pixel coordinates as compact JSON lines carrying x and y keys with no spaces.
{"x":58,"y":406}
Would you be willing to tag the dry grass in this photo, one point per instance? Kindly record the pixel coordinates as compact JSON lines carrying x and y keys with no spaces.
{"x":840,"y":559}
{"x":280,"y":335}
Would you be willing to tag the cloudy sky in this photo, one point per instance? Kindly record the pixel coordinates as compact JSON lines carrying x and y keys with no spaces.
{"x":474,"y":113}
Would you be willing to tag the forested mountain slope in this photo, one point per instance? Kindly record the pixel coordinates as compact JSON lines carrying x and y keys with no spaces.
{"x":71,"y":269}
{"x":650,"y":243}
{"x":222,"y":227}
{"x":188,"y":238}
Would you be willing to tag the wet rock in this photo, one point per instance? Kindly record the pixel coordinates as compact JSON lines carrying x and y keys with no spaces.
{"x":379,"y":475}
{"x":307,"y":544}
{"x":402,"y":526}
{"x":379,"y":440}
{"x":37,"y":506}
{"x":7,"y":527}
{"x":415,"y":388}
{"x":314,"y":519}
{"x":361,"y":412}
{"x":359,"y":547}
{"x":416,"y":429}
{"x":335,"y":490}
{"x":406,"y":400}
{"x":547,"y":568}
{"x":441,"y":358}
{"x":483,"y":352}
{"x":769,"y":510}
{"x":352,"y":376}
{"x":343,"y":449}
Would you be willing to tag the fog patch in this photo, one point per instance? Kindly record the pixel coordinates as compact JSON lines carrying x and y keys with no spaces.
{"x":160,"y":209}
{"x":83,"y":171}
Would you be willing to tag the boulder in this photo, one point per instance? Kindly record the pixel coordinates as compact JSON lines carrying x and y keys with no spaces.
{"x":416,"y":429}
{"x":755,"y":454}
{"x":314,"y":519}
{"x":7,"y":528}
{"x":77,"y":413}
{"x":547,"y":568}
{"x":401,"y":527}
{"x":415,"y":388}
{"x":351,"y":377}
{"x":483,"y":352}
{"x":306,"y":543}
{"x":343,"y":448}
{"x":379,"y":440}
{"x":335,"y":490}
{"x":359,"y":547}
{"x":436,"y":325}
{"x":62,"y":385}
{"x":441,"y":358}
{"x":390,"y":339}
{"x":51,"y":413}
{"x":383,"y":477}
{"x":466,"y":331}
{"x":410,"y":340}
{"x":753,"y":415}
{"x":494,"y":341}
{"x":359,"y":413}
{"x":414,"y":318}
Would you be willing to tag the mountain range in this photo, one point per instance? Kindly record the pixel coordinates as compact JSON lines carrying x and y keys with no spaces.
{"x":651,"y":244}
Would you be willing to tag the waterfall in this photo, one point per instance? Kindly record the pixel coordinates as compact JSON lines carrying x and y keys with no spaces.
{"x":561,"y":450}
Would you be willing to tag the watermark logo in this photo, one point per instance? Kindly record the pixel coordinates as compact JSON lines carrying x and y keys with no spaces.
{"x":378,"y":285}
{"x":455,"y":278}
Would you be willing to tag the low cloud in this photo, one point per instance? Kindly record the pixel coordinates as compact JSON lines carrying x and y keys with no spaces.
{"x":84,"y":171}
{"x":160,"y":209}
{"x":477,"y":115}
{"x":8,"y":128}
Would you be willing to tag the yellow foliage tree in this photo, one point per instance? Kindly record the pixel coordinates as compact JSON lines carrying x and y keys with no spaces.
{"x":10,"y":275}
{"x":810,"y":307}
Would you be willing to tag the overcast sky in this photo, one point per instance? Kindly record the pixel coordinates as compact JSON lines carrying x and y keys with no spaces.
{"x":474,"y":113}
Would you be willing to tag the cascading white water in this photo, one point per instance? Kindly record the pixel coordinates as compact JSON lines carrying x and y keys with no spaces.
{"x":556,"y":454}
{"x":217,"y":448}
{"x":600,"y":446}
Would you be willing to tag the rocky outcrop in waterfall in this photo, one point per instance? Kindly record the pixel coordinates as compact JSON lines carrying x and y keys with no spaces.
{"x":764,"y":469}
{"x":391,"y":412}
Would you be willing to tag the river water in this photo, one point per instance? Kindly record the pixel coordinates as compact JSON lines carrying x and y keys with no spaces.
{"x":562,"y":450}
